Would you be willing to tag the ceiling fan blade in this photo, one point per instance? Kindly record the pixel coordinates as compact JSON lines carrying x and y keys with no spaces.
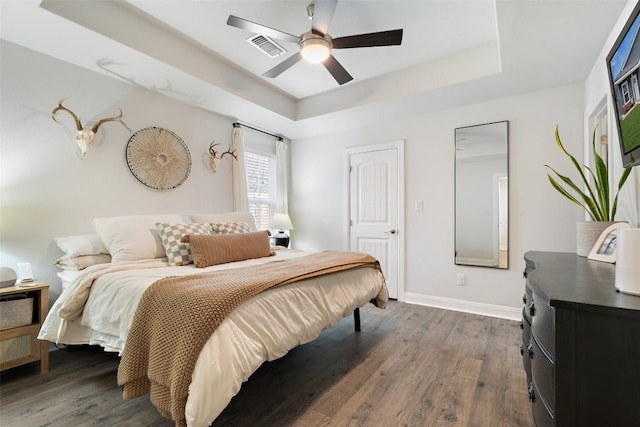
{"x":322,"y":15}
{"x":382,"y":38}
{"x":337,"y":71}
{"x":283,"y":66}
{"x":244,"y":24}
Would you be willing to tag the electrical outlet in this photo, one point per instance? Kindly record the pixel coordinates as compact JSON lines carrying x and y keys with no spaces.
{"x":461,"y":279}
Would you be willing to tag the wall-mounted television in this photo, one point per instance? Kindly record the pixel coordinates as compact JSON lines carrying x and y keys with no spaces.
{"x":623,"y":66}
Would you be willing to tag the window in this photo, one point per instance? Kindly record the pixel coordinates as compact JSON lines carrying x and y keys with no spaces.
{"x":625,"y":93}
{"x":261,"y":187}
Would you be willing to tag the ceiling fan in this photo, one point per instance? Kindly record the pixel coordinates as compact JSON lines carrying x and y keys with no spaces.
{"x":316,"y":45}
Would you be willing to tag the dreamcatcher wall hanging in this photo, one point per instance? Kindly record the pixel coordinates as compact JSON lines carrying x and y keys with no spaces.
{"x":158,"y":158}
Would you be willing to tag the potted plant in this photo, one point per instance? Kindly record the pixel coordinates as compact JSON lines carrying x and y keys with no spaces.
{"x":595,"y":200}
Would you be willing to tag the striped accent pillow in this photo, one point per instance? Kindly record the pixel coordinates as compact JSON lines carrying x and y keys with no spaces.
{"x":222,"y":248}
{"x":179,"y":253}
{"x":230,"y":227}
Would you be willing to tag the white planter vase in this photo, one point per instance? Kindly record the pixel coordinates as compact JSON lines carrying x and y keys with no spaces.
{"x":587,"y":232}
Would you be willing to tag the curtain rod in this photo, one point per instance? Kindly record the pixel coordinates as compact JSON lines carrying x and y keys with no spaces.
{"x":237,"y":124}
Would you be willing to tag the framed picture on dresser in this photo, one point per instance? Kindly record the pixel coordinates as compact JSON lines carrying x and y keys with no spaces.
{"x":605,"y":247}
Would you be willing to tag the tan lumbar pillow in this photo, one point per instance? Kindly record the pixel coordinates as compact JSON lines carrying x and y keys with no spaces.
{"x":215,"y":249}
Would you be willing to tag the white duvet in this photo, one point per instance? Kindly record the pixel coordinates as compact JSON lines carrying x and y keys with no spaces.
{"x":263,"y":328}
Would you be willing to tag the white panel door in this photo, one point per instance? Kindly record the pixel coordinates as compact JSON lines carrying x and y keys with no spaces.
{"x":374,"y":210}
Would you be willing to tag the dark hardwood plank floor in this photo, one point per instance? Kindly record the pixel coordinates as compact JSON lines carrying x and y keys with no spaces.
{"x":410,"y":366}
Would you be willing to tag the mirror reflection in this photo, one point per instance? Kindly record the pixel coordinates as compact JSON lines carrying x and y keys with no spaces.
{"x":482,"y":195}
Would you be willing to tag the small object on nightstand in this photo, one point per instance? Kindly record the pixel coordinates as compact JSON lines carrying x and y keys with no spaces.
{"x":281,"y":222}
{"x":8,"y":277}
{"x":26,"y":283}
{"x":281,"y":239}
{"x":25,"y":275}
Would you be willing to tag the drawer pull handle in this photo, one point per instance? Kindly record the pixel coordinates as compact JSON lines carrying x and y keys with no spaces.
{"x":532,"y":309}
{"x":530,"y":350}
{"x":524,"y":298}
{"x":521,"y":351}
{"x":531,"y":392}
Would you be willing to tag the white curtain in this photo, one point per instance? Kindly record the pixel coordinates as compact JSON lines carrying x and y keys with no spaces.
{"x":240,"y":199}
{"x":282,"y":169}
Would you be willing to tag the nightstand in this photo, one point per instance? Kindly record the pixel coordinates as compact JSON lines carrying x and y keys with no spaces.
{"x":20,"y":345}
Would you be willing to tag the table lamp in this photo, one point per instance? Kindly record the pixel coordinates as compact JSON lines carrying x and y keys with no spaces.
{"x":281,"y":222}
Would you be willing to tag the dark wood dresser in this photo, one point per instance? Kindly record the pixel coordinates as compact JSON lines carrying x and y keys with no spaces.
{"x":580,"y":343}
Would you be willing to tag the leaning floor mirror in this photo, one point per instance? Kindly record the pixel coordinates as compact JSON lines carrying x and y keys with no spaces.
{"x":482,"y":195}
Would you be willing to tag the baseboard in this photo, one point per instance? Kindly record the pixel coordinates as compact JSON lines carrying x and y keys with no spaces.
{"x":492,"y":310}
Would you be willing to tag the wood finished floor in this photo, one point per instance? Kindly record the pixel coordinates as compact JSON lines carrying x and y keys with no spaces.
{"x":410,"y":366}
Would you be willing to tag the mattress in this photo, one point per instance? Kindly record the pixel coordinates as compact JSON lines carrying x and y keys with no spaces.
{"x":263,"y":328}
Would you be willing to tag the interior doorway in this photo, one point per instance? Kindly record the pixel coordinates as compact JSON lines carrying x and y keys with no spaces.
{"x":376,"y":208}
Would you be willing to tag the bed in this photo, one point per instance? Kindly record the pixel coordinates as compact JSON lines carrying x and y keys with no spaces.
{"x":100,"y":302}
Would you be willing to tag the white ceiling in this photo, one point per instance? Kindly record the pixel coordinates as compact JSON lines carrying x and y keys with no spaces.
{"x":454,"y":52}
{"x":465,"y":26}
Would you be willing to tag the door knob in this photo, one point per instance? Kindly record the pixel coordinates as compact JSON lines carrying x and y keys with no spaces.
{"x":391,"y":232}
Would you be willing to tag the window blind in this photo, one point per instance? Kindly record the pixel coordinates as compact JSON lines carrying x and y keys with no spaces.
{"x":260,"y":172}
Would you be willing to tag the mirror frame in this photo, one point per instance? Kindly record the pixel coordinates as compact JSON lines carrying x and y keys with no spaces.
{"x":501,"y":264}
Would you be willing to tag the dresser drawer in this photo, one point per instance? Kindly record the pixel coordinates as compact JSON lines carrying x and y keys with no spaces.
{"x":542,"y":323}
{"x":542,"y":376}
{"x":541,"y":415}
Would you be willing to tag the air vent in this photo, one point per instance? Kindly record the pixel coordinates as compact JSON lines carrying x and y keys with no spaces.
{"x":266,"y":45}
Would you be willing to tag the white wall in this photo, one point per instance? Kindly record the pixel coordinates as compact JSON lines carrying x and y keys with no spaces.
{"x":47,"y":190}
{"x":540,"y":218}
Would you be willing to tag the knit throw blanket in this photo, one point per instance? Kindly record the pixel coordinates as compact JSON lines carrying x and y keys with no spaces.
{"x":177,"y":315}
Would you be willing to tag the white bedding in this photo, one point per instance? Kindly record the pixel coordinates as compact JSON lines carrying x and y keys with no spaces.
{"x":264,"y":328}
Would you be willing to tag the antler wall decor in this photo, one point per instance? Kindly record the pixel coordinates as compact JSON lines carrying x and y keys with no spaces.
{"x":214,"y":157}
{"x":84,"y":134}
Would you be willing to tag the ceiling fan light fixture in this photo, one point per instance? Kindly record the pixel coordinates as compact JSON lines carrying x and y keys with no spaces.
{"x":315,"y":48}
{"x":317,"y":45}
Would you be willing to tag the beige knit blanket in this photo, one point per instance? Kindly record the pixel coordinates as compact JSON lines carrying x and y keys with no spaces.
{"x":176,"y":316}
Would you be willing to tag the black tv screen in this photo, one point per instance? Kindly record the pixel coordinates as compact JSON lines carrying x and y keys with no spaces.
{"x":623,"y":66}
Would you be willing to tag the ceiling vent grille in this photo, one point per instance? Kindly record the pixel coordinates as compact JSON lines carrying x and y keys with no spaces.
{"x":266,"y":45}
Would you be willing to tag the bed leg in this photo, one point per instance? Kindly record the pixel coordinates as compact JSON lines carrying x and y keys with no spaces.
{"x":356,"y":319}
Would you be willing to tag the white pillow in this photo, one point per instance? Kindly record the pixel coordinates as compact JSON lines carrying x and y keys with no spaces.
{"x":82,"y":262}
{"x":68,"y":276}
{"x":225,"y":217}
{"x":133,"y":237}
{"x":230,"y":227}
{"x":80,"y":245}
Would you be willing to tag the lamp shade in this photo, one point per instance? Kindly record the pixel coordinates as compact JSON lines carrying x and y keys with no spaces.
{"x":281,"y":221}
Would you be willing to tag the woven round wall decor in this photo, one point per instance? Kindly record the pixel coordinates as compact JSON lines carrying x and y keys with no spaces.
{"x":158,"y":158}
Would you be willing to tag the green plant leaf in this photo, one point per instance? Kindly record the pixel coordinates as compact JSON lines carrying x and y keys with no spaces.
{"x":601,"y":179}
{"x":566,"y":194}
{"x":623,"y":179}
{"x":596,"y":210}
{"x":596,"y":194}
{"x":589,"y":205}
{"x":602,"y":212}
